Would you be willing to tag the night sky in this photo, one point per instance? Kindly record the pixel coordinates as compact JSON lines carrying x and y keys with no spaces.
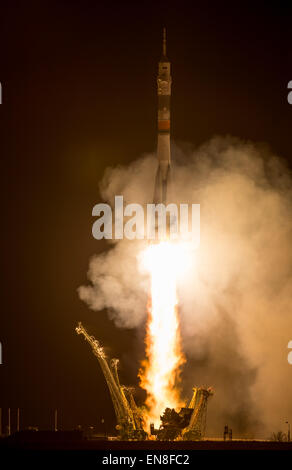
{"x":79,"y":94}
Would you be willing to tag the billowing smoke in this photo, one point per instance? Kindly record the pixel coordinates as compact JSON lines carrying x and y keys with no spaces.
{"x":236,"y":297}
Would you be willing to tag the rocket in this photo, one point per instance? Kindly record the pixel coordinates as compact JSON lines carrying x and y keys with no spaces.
{"x":162,"y":180}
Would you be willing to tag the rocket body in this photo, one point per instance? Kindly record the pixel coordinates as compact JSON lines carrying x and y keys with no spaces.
{"x":163,"y":138}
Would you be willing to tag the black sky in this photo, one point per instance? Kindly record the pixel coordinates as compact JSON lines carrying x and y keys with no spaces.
{"x":79,"y":94}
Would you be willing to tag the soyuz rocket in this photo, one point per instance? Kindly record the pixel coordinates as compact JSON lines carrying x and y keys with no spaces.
{"x":162,"y":180}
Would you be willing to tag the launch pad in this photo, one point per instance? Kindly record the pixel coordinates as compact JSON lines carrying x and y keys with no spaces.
{"x":188,"y":423}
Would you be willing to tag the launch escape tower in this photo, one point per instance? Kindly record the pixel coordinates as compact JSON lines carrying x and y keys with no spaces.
{"x":129,"y":416}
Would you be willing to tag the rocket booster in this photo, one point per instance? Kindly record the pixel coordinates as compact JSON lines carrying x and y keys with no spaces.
{"x":163,"y":140}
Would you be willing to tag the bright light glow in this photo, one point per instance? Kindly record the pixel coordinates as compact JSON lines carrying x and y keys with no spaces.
{"x":159,"y":375}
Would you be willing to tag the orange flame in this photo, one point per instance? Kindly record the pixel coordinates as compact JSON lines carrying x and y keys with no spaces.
{"x":160,"y":372}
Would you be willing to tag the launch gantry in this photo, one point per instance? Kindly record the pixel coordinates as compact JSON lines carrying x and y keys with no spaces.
{"x":197,"y":425}
{"x":129,"y":416}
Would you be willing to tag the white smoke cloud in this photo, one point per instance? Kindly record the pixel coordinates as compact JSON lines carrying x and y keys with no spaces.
{"x":235,"y":299}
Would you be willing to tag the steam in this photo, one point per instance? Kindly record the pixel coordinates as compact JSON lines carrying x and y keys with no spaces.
{"x":236,"y":303}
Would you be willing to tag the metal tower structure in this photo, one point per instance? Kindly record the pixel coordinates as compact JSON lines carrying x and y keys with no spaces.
{"x":129,"y":420}
{"x":197,"y":425}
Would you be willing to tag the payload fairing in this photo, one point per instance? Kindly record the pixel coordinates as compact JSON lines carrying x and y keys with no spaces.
{"x":163,"y":143}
